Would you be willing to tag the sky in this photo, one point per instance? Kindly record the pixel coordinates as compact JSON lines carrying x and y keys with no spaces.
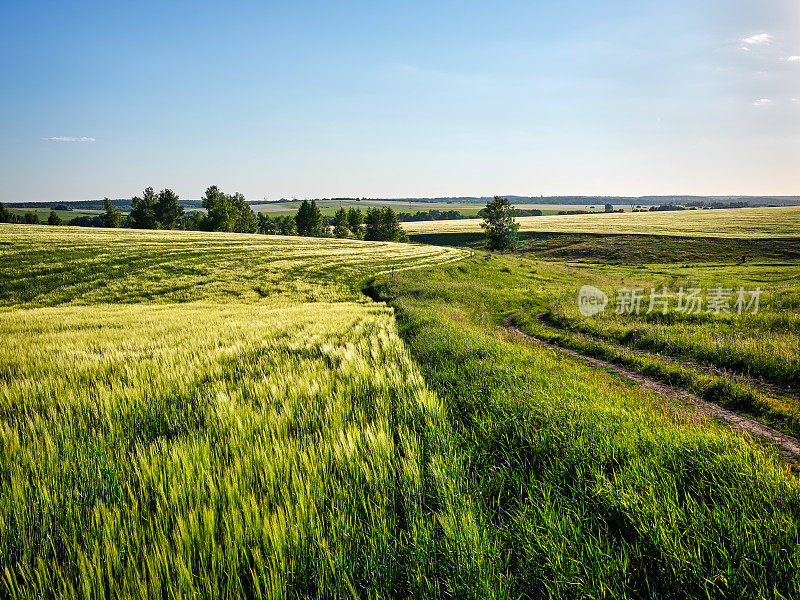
{"x":399,"y":99}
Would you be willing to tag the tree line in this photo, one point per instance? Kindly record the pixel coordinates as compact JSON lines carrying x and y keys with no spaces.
{"x":230,"y":212}
{"x":226,"y":212}
{"x":449,"y":215}
{"x":29,"y":218}
{"x":380,"y":224}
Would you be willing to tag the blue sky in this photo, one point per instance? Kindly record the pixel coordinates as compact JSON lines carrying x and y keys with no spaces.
{"x":321,"y":99}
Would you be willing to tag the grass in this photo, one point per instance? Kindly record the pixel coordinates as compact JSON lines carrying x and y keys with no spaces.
{"x":775,"y":411}
{"x":630,"y":249}
{"x":590,"y":486}
{"x":218,"y":450}
{"x":166,"y":427}
{"x":43,"y":265}
{"x":329,"y":207}
{"x":721,"y":223}
{"x":44,"y":213}
{"x":187,"y":414}
{"x":764,"y":345}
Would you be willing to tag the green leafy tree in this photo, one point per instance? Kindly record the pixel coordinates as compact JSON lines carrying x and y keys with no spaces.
{"x":220,"y":216}
{"x":309,"y":220}
{"x":167,"y":209}
{"x":193,"y":221}
{"x":381,"y":224}
{"x":54,"y":219}
{"x":340,"y":226}
{"x":244,"y":219}
{"x":265,"y":224}
{"x":31,"y":218}
{"x":228,"y":212}
{"x":285,"y":225}
{"x":301,"y":219}
{"x":6,"y":216}
{"x":373,"y":225}
{"x":143,"y":214}
{"x":499,"y":224}
{"x":609,"y":208}
{"x":112,"y":217}
{"x":355,"y":221}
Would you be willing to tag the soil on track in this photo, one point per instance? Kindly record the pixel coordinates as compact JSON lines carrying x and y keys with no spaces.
{"x":758,"y":384}
{"x":787,"y":445}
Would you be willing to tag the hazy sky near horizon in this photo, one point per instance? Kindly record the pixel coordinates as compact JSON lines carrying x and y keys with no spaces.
{"x":389,"y":99}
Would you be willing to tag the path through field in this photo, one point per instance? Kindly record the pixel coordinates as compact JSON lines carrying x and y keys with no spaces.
{"x":758,"y":384}
{"x":788,"y":446}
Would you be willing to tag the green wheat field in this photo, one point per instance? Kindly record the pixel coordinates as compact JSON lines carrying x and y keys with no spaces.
{"x":774,"y":222}
{"x":211,"y":415}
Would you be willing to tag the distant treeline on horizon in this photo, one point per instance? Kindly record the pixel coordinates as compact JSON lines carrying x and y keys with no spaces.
{"x":124,"y":204}
{"x":567,"y":200}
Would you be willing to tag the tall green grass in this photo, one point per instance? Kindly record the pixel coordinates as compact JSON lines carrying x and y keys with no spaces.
{"x":765,"y":345}
{"x":218,"y":415}
{"x":740,"y":396}
{"x":238,"y":444}
{"x":593,"y":487}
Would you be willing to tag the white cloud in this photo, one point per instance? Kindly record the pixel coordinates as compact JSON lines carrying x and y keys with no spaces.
{"x":757,"y":40}
{"x":792,"y":59}
{"x":761,"y":102}
{"x":61,"y":138}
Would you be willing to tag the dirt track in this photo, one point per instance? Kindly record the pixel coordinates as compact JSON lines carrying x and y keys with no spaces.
{"x":787,"y":445}
{"x":762,"y":386}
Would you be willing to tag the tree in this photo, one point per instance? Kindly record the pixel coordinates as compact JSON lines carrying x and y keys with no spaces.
{"x":6,"y":216}
{"x":244,"y":219}
{"x":355,"y":221}
{"x":143,"y":215}
{"x":86,"y":221}
{"x":373,"y":224}
{"x":54,"y":219}
{"x":302,"y":218}
{"x":228,"y":213}
{"x":112,"y":217}
{"x":265,"y":224}
{"x":31,"y":218}
{"x":285,"y":225}
{"x":309,"y":220}
{"x":609,"y":208}
{"x":193,"y":221}
{"x":499,"y":224}
{"x":340,"y":224}
{"x":219,"y":216}
{"x":167,"y":209}
{"x":382,"y":225}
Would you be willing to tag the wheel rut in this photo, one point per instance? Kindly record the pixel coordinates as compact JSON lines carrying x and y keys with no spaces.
{"x":787,"y":445}
{"x":762,"y":386}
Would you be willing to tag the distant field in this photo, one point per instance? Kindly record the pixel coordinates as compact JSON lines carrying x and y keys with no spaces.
{"x":44,"y":213}
{"x":330,"y":207}
{"x":738,"y":222}
{"x":629,"y":248}
{"x":44,"y":265}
